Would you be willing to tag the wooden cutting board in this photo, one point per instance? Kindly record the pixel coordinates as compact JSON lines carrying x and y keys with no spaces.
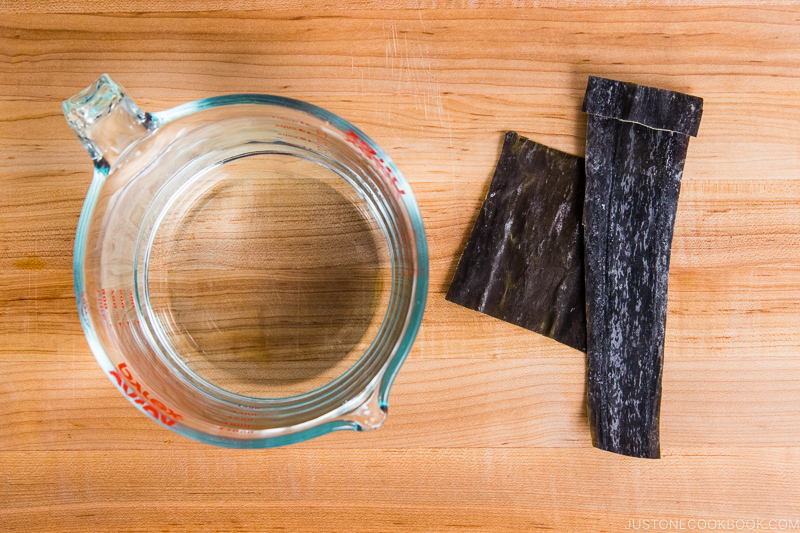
{"x":487,"y":428}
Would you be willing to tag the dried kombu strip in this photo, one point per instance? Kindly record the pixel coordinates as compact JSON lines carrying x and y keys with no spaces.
{"x":523,"y":262}
{"x":636,"y":145}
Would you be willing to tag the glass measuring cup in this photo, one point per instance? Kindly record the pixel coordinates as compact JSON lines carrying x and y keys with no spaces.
{"x":250,"y":270}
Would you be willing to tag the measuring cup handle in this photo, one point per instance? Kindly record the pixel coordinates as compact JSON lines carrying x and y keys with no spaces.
{"x":106,"y":120}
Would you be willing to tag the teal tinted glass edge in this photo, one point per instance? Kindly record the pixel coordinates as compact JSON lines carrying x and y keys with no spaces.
{"x":420,"y":282}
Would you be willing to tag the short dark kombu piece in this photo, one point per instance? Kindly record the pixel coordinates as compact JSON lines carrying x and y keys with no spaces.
{"x":636,"y":145}
{"x":523,"y":262}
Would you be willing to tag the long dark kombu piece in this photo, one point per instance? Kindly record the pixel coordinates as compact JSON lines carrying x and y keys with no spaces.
{"x":523,"y":262}
{"x":636,"y":145}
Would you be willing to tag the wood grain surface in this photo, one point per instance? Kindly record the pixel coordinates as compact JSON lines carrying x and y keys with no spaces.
{"x":487,"y":429}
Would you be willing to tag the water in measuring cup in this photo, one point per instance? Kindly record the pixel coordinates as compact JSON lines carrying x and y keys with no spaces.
{"x":270,"y":277}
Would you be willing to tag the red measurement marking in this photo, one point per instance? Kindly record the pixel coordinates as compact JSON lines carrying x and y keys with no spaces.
{"x":232,"y":430}
{"x":296,"y":121}
{"x":150,"y":405}
{"x":114,"y":302}
{"x":122,"y":303}
{"x":315,"y":136}
{"x":242,"y":418}
{"x":102,"y":307}
{"x":119,"y":312}
{"x":368,"y":152}
{"x":290,"y":136}
{"x":84,"y":304}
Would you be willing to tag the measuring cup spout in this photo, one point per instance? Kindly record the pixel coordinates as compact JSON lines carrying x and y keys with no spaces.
{"x":370,"y":414}
{"x":106,"y":120}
